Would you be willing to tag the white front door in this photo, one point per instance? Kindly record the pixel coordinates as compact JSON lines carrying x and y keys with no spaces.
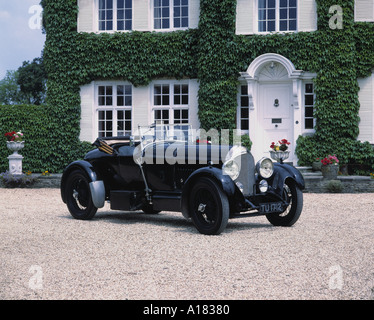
{"x":275,"y":117}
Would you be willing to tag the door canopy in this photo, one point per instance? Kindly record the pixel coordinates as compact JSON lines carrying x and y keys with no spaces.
{"x":269,"y":58}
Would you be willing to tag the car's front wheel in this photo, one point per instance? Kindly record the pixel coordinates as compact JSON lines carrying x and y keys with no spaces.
{"x":294,"y":197}
{"x":209,"y":207}
{"x":78,"y":196}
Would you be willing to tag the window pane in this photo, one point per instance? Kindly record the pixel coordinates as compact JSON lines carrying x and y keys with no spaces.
{"x":165,"y":100}
{"x":292,"y":14}
{"x":120,"y":101}
{"x":120,"y":25}
{"x":165,"y":89}
{"x":262,"y":26}
{"x":309,"y":123}
{"x":262,"y":4}
{"x":244,"y":90}
{"x":165,"y":24}
{"x":262,"y":15}
{"x":244,"y":113}
{"x":120,"y":4}
{"x":271,"y":14}
{"x":309,"y":100}
{"x":128,"y":100}
{"x":244,"y":101}
{"x":271,"y":26}
{"x":309,"y":112}
{"x":309,"y":88}
{"x":244,"y":125}
{"x":157,"y":100}
{"x":292,"y":25}
{"x":185,"y":114}
{"x":283,"y":13}
{"x":283,"y":26}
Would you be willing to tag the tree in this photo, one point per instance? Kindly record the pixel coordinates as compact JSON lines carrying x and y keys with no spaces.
{"x":10,"y":92}
{"x":32,"y":80}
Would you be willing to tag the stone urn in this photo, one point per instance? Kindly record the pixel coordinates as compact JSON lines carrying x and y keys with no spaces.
{"x":279,"y":156}
{"x":15,"y":146}
{"x":330,"y":171}
{"x":317,"y":165}
{"x":15,"y":159}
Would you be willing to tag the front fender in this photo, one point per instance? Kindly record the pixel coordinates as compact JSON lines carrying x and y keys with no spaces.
{"x":224,"y":181}
{"x":97,"y":187}
{"x":285,"y":171}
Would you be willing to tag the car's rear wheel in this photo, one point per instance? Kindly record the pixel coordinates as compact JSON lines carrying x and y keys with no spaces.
{"x":78,"y":196}
{"x":209,"y":207}
{"x":294,"y":197}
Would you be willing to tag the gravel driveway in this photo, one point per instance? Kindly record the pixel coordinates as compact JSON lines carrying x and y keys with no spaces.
{"x":46,"y":254}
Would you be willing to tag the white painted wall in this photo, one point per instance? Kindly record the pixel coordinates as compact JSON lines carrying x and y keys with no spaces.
{"x":364,"y":10}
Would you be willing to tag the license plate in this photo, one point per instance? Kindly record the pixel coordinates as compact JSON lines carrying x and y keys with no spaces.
{"x":271,"y":207}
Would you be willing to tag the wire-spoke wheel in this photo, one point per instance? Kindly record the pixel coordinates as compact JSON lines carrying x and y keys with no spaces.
{"x":78,"y":196}
{"x":209,"y":207}
{"x":293,"y":196}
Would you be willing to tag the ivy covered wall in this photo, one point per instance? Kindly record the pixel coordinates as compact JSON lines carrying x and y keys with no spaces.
{"x":215,"y":55}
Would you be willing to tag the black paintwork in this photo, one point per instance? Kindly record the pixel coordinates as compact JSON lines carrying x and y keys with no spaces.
{"x":169,"y":185}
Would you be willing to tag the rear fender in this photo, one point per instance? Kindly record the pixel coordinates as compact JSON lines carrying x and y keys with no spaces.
{"x":97,"y":187}
{"x":224,"y":181}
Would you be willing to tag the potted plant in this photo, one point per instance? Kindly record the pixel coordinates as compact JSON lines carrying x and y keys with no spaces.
{"x":330,"y":167}
{"x":279,"y":150}
{"x":14,"y":141}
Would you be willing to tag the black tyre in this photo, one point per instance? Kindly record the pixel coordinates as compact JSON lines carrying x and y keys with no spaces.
{"x":294,"y":197}
{"x":209,"y":207}
{"x":78,"y":196}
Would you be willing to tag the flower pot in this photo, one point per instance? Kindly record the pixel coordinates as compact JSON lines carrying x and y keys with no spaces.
{"x":330,"y":171}
{"x":15,"y":146}
{"x":279,"y":156}
{"x":317,"y":165}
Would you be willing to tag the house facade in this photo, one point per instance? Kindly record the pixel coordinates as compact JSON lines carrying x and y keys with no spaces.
{"x":275,"y":100}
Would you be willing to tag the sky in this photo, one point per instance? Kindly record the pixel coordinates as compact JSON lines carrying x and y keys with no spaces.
{"x":21,"y":37}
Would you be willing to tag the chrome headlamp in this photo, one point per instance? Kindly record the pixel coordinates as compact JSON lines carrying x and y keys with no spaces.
{"x":265,"y":168}
{"x":231,"y":168}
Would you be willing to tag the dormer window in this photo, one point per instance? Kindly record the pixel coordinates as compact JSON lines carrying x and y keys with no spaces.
{"x":115,"y":15}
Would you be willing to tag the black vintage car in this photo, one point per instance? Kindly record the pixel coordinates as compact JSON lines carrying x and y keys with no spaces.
{"x":208,"y":183}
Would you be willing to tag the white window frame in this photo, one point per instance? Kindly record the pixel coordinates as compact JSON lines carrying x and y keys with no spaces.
{"x":277,"y":18}
{"x":115,"y":19}
{"x":238,"y":112}
{"x":304,"y":93}
{"x":171,"y":106}
{"x":113,"y":107}
{"x":171,"y":17}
